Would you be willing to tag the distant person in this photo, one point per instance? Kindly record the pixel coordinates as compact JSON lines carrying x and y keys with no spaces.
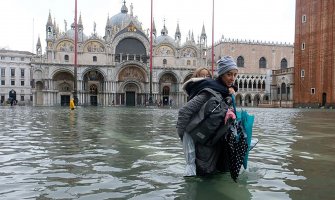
{"x":208,"y":159}
{"x":202,"y":72}
{"x":72,"y":106}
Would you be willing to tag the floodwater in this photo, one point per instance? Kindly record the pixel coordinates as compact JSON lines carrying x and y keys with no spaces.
{"x":134,"y":153}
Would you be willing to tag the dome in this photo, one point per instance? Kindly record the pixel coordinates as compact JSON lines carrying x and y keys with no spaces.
{"x":70,"y":34}
{"x":164,"y":39}
{"x":123,"y":19}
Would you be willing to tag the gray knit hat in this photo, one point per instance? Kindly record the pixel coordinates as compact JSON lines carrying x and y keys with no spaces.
{"x":225,"y":64}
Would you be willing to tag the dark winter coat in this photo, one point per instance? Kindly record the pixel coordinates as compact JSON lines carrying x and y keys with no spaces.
{"x":208,"y":159}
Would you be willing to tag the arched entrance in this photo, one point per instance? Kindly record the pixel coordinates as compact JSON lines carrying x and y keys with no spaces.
{"x":93,"y":85}
{"x":257,"y":100}
{"x":247,"y":100}
{"x":166,"y":93}
{"x":238,"y":100}
{"x":130,"y":91}
{"x":131,"y":79}
{"x":168,"y":88}
{"x":63,"y":82}
{"x":93,"y":94}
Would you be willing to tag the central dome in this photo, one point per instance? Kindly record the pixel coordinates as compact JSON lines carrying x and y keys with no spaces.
{"x":123,"y":19}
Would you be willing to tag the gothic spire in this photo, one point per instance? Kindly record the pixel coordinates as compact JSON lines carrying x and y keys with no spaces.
{"x":177,"y":35}
{"x":153,"y":27}
{"x":80,"y":23}
{"x":49,"y":23}
{"x":108,"y":23}
{"x":203,"y":32}
{"x":38,"y":42}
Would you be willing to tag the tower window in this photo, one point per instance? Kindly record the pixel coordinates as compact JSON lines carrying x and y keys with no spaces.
{"x":304,"y":19}
{"x":49,"y":32}
{"x":303,"y":46}
{"x":312,"y":90}
{"x":302,"y":73}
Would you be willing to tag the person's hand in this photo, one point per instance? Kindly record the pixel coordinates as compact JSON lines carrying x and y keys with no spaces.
{"x":231,"y":90}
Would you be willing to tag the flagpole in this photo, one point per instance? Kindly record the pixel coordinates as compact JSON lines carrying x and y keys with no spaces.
{"x":75,"y":97}
{"x":213,"y":41}
{"x":150,"y":95}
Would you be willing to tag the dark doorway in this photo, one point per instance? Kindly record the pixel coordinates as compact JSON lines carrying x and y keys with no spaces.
{"x":65,"y":100}
{"x":324,"y":99}
{"x":165,"y":101}
{"x":94,"y":100}
{"x":130,"y":98}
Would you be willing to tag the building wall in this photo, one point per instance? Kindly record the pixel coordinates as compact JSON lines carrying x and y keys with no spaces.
{"x":20,"y":83}
{"x":314,"y":83}
{"x":252,"y":52}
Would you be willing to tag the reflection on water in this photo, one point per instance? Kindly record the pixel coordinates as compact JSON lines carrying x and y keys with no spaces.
{"x":133,"y":153}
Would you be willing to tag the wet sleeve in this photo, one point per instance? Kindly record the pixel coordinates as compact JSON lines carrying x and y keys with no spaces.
{"x":186,"y":113}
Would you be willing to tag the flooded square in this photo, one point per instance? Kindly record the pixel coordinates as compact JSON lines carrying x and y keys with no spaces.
{"x":135,"y":153}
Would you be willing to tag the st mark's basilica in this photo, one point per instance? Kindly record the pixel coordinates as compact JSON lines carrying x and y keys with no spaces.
{"x":113,"y":69}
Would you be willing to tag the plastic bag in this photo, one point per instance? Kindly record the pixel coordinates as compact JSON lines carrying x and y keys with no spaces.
{"x":189,"y":152}
{"x":247,"y":123}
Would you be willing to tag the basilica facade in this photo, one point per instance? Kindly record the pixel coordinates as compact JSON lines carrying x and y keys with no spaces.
{"x":113,"y":69}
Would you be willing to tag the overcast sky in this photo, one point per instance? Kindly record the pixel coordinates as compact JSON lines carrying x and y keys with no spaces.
{"x":22,"y":21}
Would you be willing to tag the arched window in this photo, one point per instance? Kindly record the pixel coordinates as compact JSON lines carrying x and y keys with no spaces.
{"x":164,"y":61}
{"x":66,"y":58}
{"x":49,"y":32}
{"x":283,"y":63}
{"x":245,"y":85}
{"x":240,"y":61}
{"x":263,"y":85}
{"x":262,"y":62}
{"x":250,"y":84}
{"x":241,"y":84}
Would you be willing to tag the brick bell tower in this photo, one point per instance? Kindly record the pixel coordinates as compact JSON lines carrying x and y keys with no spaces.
{"x":314,"y":54}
